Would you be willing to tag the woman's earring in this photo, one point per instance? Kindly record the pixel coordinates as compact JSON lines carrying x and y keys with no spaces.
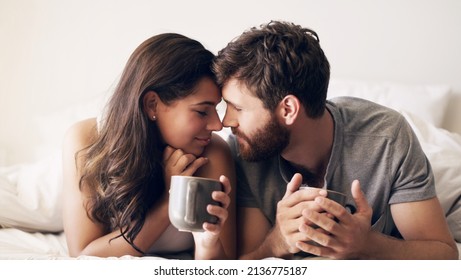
{"x":154,"y":118}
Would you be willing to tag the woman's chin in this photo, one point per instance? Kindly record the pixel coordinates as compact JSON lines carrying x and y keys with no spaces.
{"x":196,"y":151}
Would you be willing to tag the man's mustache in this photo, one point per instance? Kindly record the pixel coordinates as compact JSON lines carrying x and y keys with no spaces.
{"x":239,"y":134}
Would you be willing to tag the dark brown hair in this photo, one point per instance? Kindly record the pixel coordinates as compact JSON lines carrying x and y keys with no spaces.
{"x":123,"y":168}
{"x":277,"y":59}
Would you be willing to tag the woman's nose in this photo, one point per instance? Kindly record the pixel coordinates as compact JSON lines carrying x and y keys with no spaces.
{"x":215,"y":123}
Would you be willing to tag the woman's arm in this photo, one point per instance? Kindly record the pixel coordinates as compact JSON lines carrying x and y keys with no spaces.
{"x":220,"y":163}
{"x":84,"y":236}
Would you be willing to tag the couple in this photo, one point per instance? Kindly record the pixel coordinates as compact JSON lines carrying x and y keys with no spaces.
{"x":274,"y":79}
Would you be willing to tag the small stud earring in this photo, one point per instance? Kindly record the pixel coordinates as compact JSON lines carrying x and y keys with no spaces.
{"x":154,"y":118}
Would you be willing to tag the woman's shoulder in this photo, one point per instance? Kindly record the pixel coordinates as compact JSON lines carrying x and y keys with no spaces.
{"x":218,"y":147}
{"x":220,"y":160}
{"x":81,"y":134}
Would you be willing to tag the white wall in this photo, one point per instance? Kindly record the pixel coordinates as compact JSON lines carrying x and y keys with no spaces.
{"x":56,"y":53}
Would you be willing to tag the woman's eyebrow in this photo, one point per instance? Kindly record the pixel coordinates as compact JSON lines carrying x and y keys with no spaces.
{"x":211,"y":103}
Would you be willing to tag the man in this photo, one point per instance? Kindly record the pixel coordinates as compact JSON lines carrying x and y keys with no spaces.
{"x":274,"y":80}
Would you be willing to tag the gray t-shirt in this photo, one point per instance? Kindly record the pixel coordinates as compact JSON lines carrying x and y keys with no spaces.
{"x":372,"y":143}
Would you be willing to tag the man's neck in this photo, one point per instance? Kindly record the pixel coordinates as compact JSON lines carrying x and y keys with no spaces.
{"x":311,"y":142}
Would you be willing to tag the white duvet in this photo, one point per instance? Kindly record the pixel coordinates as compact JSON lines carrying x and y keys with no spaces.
{"x":30,"y":204}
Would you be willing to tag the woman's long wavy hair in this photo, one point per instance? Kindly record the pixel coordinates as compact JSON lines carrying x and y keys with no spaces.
{"x":122,"y":168}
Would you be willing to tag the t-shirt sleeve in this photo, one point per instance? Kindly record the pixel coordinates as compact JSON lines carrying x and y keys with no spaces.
{"x":414,"y":179}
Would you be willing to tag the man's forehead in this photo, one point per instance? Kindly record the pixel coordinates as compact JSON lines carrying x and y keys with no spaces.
{"x":235,"y":89}
{"x":242,"y":99}
{"x":235,"y":83}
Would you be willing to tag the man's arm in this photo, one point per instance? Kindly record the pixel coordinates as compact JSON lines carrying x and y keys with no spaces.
{"x":257,"y":239}
{"x":422,"y":225}
{"x":252,"y":232}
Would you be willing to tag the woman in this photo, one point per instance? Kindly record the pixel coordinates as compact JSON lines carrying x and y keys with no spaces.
{"x":158,"y":123}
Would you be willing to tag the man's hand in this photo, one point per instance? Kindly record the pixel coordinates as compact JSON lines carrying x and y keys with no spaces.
{"x":286,"y":235}
{"x":345,"y":237}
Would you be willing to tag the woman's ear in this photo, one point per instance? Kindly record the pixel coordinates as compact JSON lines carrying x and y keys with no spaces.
{"x":289,"y":109}
{"x":150,"y":104}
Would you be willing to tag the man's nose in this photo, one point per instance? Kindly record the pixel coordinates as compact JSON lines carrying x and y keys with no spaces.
{"x":229,"y":120}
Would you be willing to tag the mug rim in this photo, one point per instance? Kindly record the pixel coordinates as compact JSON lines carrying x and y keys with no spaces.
{"x":336,"y":192}
{"x":195,"y":177}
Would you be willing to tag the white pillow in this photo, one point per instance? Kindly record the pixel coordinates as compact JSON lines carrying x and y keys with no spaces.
{"x":429,"y":102}
{"x":52,"y":126}
{"x":30,"y":195}
{"x":443,"y":149}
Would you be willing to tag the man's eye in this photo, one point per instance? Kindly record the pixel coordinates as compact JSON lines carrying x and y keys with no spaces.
{"x":202,"y":113}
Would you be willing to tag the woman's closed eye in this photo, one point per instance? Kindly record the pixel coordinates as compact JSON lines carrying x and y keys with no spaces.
{"x":202,"y":113}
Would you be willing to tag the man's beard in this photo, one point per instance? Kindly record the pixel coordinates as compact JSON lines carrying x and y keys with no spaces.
{"x":265,"y":143}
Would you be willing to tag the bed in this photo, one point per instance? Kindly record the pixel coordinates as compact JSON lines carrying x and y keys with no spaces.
{"x":30,"y":193}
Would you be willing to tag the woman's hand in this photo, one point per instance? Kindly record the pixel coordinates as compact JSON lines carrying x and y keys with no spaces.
{"x":207,"y":243}
{"x":176,"y":162}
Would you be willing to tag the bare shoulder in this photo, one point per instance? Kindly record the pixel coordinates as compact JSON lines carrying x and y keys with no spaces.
{"x":218,"y":149}
{"x":220,"y":160}
{"x":81,"y":133}
{"x":78,"y":136}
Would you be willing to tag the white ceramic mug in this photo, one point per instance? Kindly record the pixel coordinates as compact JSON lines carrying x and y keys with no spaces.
{"x":189,"y":198}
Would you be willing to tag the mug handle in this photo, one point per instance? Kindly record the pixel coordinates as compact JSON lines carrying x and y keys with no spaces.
{"x":191,"y":195}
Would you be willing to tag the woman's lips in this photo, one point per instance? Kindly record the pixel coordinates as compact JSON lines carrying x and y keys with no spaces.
{"x":203,"y":140}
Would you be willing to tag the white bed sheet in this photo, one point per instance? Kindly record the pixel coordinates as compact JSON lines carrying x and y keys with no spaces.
{"x":16,"y":244}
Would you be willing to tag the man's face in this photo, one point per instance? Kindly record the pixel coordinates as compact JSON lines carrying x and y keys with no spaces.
{"x":258,"y":132}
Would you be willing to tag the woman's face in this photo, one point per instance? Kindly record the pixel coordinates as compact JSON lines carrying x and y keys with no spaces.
{"x":187,"y":123}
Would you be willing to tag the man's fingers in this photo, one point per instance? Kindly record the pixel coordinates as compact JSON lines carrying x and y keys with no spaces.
{"x":360,"y":199}
{"x":294,"y":184}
